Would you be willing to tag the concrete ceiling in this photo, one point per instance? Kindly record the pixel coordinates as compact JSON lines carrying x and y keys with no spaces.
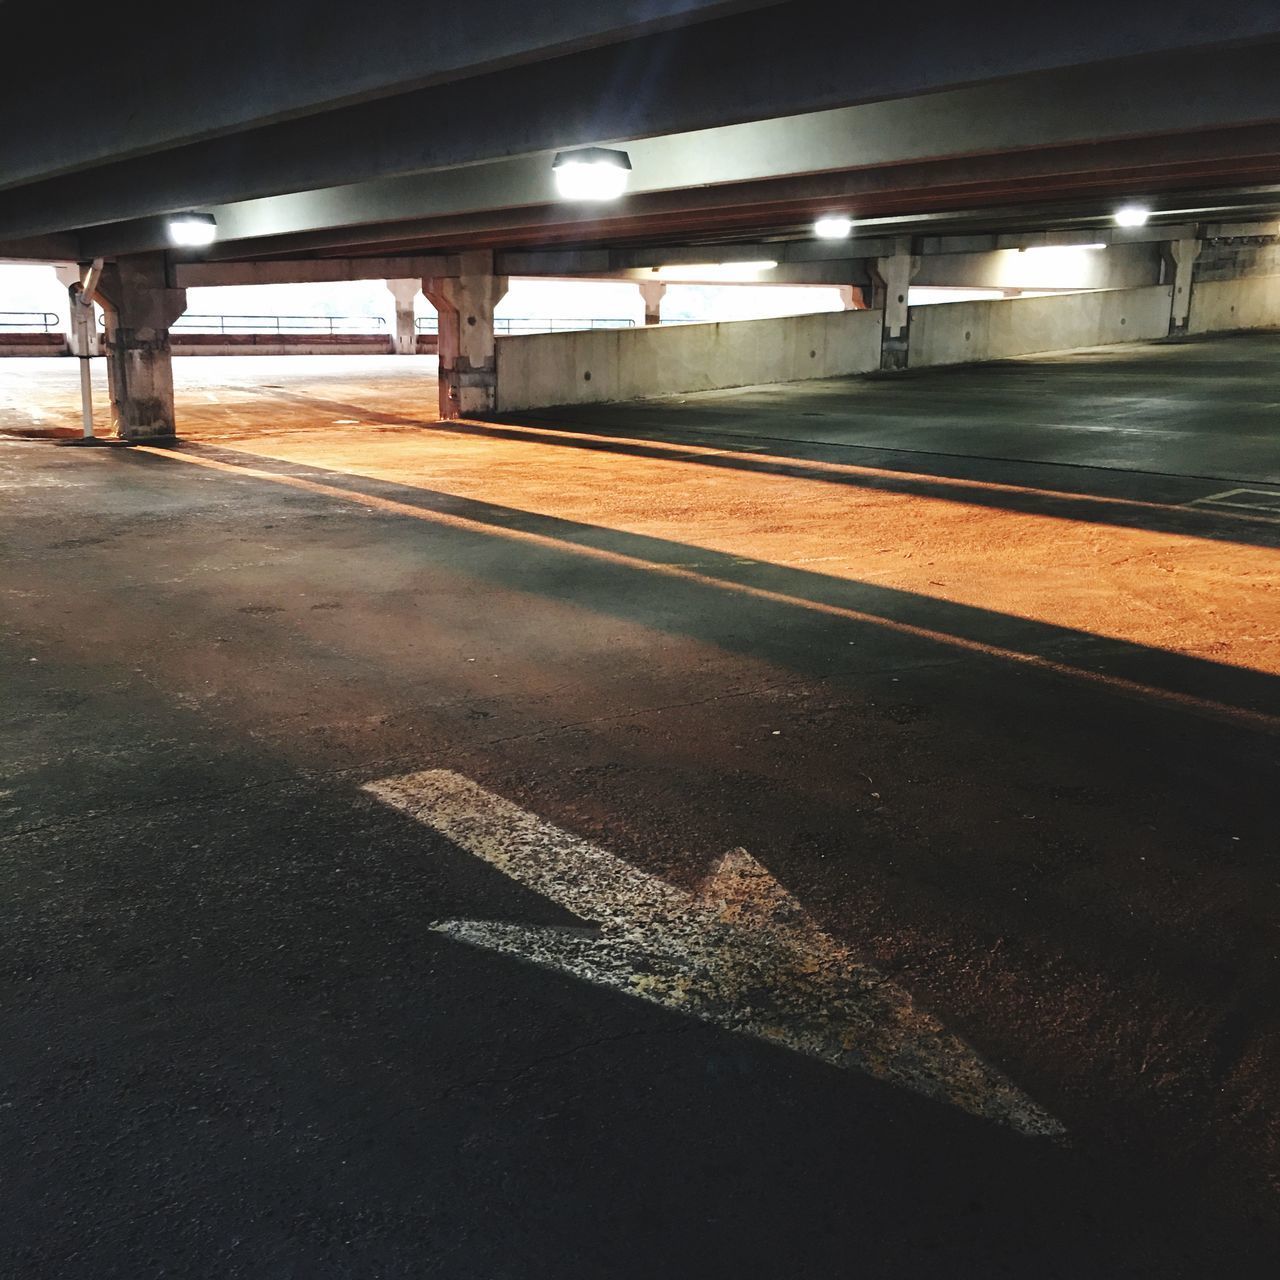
{"x":355,"y":135}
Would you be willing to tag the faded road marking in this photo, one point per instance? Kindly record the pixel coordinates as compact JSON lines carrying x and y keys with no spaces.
{"x":740,"y":952}
{"x":1246,"y":500}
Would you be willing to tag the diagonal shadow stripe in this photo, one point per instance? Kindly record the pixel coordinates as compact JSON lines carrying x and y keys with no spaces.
{"x":1213,"y":688}
{"x":930,"y":475}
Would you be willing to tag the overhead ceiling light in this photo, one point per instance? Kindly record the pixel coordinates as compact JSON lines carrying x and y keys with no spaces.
{"x":591,"y":173}
{"x":1132,"y":215}
{"x":834,"y":227}
{"x":193,"y":228}
{"x":732,"y":271}
{"x":1060,"y":248}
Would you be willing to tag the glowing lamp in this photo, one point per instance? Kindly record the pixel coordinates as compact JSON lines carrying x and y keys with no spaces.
{"x":1132,"y":215}
{"x":592,"y":173}
{"x":835,"y":227}
{"x":189,"y":229}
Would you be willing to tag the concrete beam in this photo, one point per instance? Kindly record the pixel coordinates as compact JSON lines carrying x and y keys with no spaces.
{"x":190,"y":275}
{"x":1266,"y":228}
{"x":63,"y":247}
{"x":799,"y":262}
{"x":786,"y":253}
{"x":813,"y":261}
{"x":835,"y":272}
{"x":1027,"y":189}
{"x":1077,"y":108}
{"x":1153,"y":233}
{"x":562,"y":263}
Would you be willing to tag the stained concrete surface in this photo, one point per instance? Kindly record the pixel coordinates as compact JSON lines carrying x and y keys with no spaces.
{"x":225,"y":395}
{"x":1037,"y":789}
{"x":1198,"y":406}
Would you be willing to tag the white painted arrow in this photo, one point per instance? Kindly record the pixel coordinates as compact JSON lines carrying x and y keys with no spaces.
{"x":740,"y":952}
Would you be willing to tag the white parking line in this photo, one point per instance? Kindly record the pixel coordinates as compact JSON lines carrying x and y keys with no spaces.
{"x":1244,"y":499}
{"x":740,"y":952}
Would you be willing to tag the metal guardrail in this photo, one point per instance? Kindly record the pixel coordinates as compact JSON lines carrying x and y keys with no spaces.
{"x":282,"y":325}
{"x":530,"y":324}
{"x":31,"y":321}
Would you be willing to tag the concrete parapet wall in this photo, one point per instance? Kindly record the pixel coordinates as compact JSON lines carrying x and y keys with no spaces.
{"x":963,"y":332}
{"x":34,"y":344}
{"x":271,"y":344}
{"x":593,"y":366}
{"x":1218,"y":306}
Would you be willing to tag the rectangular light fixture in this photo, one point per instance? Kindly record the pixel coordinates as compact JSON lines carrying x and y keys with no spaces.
{"x":1061,"y":248}
{"x":189,"y":229}
{"x":591,"y":173}
{"x":738,"y":272}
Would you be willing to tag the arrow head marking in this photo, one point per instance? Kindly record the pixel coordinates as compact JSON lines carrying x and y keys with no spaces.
{"x":740,"y":952}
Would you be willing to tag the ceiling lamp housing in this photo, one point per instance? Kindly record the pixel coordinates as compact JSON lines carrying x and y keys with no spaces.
{"x":591,"y":173}
{"x":1132,"y":215}
{"x":189,"y":229}
{"x":833,"y":227}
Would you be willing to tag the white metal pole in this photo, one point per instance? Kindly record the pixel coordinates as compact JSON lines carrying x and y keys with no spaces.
{"x":82,"y":319}
{"x":86,"y":395}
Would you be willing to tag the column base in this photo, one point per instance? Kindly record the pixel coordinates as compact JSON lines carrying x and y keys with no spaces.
{"x":893,"y":353}
{"x":141,"y":377}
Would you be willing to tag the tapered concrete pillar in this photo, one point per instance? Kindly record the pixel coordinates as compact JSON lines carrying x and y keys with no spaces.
{"x":139,"y":308}
{"x":652,"y":291}
{"x":892,"y":288}
{"x":1183,"y":254}
{"x":468,"y":352}
{"x":404,"y":292}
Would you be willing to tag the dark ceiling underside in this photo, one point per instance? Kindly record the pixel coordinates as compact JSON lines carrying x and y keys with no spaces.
{"x":277,"y":100}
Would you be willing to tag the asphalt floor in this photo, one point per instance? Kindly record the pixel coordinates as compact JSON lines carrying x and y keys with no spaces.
{"x":980,"y":665}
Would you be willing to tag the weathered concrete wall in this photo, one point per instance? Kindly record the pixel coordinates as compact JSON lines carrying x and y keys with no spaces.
{"x":33,"y":344}
{"x":1222,"y":305}
{"x":961,"y":332}
{"x":1123,"y":266}
{"x":1233,"y":258}
{"x":271,"y":344}
{"x":593,"y":366}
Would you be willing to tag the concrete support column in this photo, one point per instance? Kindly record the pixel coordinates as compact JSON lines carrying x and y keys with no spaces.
{"x":652,"y":291}
{"x":893,"y":281}
{"x":1183,"y":254}
{"x":468,"y":352}
{"x":404,"y":292}
{"x":852,"y":297}
{"x":140,"y":307}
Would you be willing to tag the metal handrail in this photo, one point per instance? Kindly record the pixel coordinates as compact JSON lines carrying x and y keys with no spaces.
{"x":279,"y":325}
{"x":530,"y":324}
{"x":30,"y":321}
